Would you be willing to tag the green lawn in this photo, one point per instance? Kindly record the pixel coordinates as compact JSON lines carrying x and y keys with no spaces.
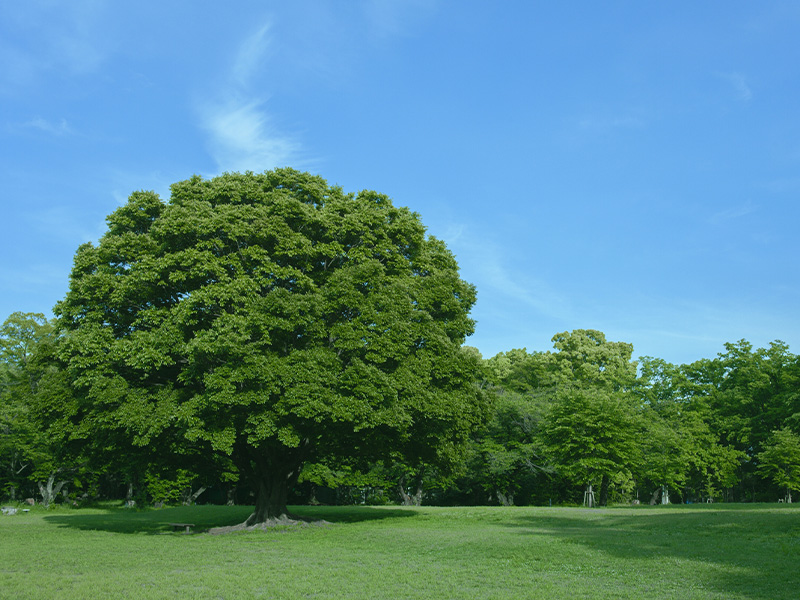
{"x":717,"y":551}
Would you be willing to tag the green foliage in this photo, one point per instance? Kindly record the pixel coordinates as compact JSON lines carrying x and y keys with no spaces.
{"x":681,"y":451}
{"x":508,"y":454}
{"x":275,"y":320}
{"x":33,"y":443}
{"x":169,"y":488}
{"x":780,"y":460}
{"x":593,"y":435}
{"x":593,"y":428}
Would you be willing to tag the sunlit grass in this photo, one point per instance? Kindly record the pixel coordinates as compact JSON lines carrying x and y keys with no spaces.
{"x":731,"y":552}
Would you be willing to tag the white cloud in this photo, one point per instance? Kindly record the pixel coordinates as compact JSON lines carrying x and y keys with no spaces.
{"x":252,"y":54}
{"x":242,"y":134}
{"x":243,"y":137}
{"x":496,"y":280}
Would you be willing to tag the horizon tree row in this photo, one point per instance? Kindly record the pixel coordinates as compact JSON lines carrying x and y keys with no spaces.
{"x":582,"y":424}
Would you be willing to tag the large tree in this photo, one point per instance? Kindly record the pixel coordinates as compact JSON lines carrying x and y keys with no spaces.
{"x":273,"y":319}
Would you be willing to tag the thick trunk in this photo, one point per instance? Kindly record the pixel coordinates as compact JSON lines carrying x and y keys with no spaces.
{"x":270,"y":500}
{"x":604,"y":490}
{"x":272,"y":491}
{"x":788,"y":495}
{"x":664,"y":494}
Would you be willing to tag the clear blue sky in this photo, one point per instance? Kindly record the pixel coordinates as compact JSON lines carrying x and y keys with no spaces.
{"x":631,"y":167}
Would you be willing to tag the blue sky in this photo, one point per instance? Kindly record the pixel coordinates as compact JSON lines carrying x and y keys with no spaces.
{"x":624,"y":166}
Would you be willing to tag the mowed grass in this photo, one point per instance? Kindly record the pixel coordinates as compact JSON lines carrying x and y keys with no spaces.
{"x":716,"y":551}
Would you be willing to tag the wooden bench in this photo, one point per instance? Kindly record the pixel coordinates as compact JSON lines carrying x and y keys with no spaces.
{"x":179,"y":526}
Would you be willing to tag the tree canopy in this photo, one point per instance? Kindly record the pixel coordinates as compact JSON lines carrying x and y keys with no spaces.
{"x":273,"y":319}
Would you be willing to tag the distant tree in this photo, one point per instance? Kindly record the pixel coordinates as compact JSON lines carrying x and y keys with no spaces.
{"x":680,"y":450}
{"x":780,"y":460}
{"x":275,"y":320}
{"x":593,"y":429}
{"x":744,"y":395}
{"x":593,"y":437}
{"x":30,"y":450}
{"x":508,"y":454}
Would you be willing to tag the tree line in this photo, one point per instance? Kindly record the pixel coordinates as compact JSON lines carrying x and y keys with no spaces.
{"x":269,"y":339}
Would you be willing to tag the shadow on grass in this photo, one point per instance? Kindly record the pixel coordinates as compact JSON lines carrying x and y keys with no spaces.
{"x":158,"y":521}
{"x":747,"y":551}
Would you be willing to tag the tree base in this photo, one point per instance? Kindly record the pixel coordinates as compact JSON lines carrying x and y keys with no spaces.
{"x":270,"y":524}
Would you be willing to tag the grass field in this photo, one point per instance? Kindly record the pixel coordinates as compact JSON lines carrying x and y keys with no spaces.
{"x":717,"y":551}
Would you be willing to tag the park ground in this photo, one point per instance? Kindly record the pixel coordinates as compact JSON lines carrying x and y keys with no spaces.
{"x":712,"y":551}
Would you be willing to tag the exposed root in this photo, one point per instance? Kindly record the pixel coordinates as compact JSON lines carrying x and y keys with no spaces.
{"x":269,"y":525}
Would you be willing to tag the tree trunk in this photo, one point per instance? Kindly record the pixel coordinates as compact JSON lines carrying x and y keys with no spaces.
{"x":788,"y":495}
{"x":190,"y":497}
{"x":270,"y":501}
{"x":654,"y":497}
{"x":664,"y":494}
{"x":405,"y":498}
{"x":588,"y":496}
{"x":604,"y":490}
{"x":414,"y":499}
{"x":505,"y":500}
{"x":272,"y":492}
{"x":417,"y":497}
{"x":50,"y":490}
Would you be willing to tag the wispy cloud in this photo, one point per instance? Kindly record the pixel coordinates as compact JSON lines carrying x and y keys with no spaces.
{"x":733,"y":212}
{"x":503,"y":282}
{"x":243,"y":135}
{"x":739,"y":85}
{"x":58,"y":129}
{"x":251,"y":56}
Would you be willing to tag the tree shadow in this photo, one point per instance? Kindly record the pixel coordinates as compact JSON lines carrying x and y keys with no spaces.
{"x":747,"y":552}
{"x":159,"y":521}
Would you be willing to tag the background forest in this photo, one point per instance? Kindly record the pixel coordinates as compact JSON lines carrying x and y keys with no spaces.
{"x":582,"y":423}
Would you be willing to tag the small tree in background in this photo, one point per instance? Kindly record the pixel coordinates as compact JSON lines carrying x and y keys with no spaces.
{"x":780,"y":460}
